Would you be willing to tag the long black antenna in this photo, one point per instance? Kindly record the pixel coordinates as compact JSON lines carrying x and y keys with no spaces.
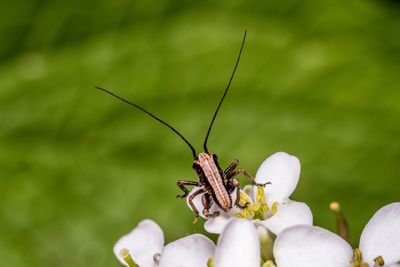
{"x":153,"y":116}
{"x":226,"y":91}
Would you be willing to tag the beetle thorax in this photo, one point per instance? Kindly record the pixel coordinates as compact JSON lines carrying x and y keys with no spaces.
{"x":214,"y":179}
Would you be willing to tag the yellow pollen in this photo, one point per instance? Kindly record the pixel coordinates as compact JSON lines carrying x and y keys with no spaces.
{"x":126,"y":256}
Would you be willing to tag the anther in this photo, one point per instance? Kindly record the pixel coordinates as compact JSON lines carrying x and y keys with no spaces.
{"x":246,"y":213}
{"x":357,"y":258}
{"x":260,"y":194}
{"x":126,"y":256}
{"x":244,"y":198}
{"x":357,"y":254}
{"x":269,"y":263}
{"x":342,"y":228}
{"x":210,"y":262}
{"x":274,"y":208}
{"x":263,"y":207}
{"x":379,"y":261}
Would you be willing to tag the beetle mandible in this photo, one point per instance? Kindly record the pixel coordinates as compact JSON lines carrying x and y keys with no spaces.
{"x":215,"y":185}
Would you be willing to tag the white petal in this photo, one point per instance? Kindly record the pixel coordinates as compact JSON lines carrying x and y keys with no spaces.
{"x":197,"y":202}
{"x":143,"y":242}
{"x":289,"y":214}
{"x":217,"y":225}
{"x":381,"y":235}
{"x":311,"y":246}
{"x":283,"y":171}
{"x":238,"y":245}
{"x":190,"y":251}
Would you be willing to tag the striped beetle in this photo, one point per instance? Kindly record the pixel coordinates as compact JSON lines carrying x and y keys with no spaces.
{"x":215,"y":185}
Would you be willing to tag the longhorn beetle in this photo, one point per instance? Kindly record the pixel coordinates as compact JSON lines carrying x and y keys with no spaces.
{"x":216,"y":185}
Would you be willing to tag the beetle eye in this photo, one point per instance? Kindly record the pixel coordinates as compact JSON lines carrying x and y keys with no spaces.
{"x":215,"y":157}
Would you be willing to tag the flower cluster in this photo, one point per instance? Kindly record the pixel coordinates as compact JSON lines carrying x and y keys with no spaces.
{"x":269,"y":230}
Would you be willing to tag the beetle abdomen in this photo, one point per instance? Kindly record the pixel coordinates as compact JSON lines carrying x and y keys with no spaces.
{"x":214,"y":179}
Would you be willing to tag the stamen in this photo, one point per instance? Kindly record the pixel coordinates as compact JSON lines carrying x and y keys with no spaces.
{"x":269,"y":263}
{"x":253,"y":210}
{"x":274,"y":207}
{"x":357,"y":258}
{"x":263,"y":207}
{"x":244,"y":199}
{"x":126,"y":256}
{"x":247,"y":213}
{"x":379,"y":261}
{"x":260,"y":194}
{"x":266,"y":243}
{"x":210,"y":262}
{"x":342,"y":228}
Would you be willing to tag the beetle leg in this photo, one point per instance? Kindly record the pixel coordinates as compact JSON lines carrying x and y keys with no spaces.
{"x":251,"y":178}
{"x":231,"y":168}
{"x":235,"y":184}
{"x":190,"y":200}
{"x":182,"y":184}
{"x":207,"y":202}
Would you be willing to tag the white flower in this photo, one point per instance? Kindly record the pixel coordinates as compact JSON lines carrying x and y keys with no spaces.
{"x":144,"y":247}
{"x":238,"y":245}
{"x":143,"y":242}
{"x":267,"y":206}
{"x":309,"y":246}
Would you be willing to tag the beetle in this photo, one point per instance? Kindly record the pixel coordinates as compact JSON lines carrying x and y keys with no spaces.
{"x":215,"y":185}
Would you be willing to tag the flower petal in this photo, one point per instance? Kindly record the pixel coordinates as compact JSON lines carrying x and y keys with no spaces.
{"x":143,"y":242}
{"x":381,"y":235}
{"x":190,"y":251}
{"x":283,"y":171}
{"x":238,"y":245}
{"x":311,"y":246}
{"x":288,"y":214}
{"x":217,"y":225}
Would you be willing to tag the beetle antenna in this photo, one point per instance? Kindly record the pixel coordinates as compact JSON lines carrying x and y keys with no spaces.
{"x":151,"y":115}
{"x":226,"y":91}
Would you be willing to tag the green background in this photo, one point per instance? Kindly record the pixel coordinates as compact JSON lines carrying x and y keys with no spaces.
{"x":318,"y":79}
